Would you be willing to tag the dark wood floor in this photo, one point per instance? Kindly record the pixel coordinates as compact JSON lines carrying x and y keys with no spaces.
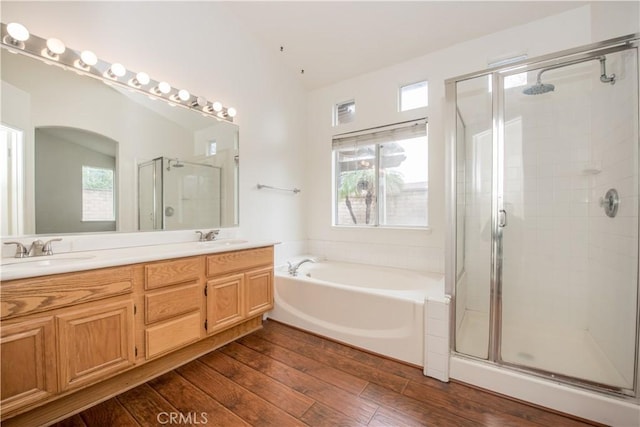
{"x":280,"y":376}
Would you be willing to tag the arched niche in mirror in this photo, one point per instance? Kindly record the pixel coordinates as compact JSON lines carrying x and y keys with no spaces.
{"x":83,"y":163}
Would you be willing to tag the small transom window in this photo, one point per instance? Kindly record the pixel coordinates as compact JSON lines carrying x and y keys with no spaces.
{"x":414,"y":95}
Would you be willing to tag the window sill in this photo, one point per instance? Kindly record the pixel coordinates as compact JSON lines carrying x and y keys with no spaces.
{"x":426,"y":229}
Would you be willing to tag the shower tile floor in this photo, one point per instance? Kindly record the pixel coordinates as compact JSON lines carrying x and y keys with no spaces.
{"x":567,"y":352}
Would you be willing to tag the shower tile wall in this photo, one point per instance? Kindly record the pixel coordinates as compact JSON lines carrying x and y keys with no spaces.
{"x":613,"y":247}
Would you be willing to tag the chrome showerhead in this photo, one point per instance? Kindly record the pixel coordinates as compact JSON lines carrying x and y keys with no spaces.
{"x":539,"y":88}
{"x":176,"y":164}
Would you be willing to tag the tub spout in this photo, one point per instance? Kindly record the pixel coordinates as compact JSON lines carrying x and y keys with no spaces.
{"x":293,"y":268}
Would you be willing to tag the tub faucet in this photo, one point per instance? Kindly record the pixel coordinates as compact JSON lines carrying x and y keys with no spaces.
{"x":293,"y":268}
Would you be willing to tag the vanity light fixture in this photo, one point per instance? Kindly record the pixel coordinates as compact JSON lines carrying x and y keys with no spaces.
{"x":87,"y":60}
{"x":140,"y":79}
{"x":116,"y":70}
{"x":54,"y":49}
{"x":15,"y":36}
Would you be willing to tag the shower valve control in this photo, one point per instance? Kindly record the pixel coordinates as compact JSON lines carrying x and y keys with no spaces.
{"x":610,"y":202}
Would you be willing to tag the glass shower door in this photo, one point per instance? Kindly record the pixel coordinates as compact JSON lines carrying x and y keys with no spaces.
{"x":569,"y":264}
{"x":473,"y":182}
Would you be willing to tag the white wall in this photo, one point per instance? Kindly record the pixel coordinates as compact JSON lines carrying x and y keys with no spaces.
{"x":376,"y":104}
{"x":226,"y":65}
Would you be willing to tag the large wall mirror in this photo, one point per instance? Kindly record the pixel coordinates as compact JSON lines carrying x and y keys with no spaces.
{"x":79,"y":155}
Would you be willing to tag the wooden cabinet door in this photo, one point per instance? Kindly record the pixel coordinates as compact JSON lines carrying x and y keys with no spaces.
{"x":259,"y":291}
{"x":28,"y":352}
{"x":95,"y":342}
{"x":225,"y":302}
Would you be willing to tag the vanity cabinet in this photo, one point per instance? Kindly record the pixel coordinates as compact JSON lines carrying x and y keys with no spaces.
{"x":239,"y":286}
{"x":64,"y":331}
{"x":70,"y":340}
{"x":28,"y":358}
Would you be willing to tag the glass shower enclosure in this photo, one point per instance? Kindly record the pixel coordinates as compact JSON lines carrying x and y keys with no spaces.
{"x":175,"y":195}
{"x":543,"y":215}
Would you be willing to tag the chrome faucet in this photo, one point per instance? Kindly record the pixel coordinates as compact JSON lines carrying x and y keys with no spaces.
{"x":21,"y":250}
{"x":293,"y":268}
{"x":37,"y":248}
{"x":209,"y":236}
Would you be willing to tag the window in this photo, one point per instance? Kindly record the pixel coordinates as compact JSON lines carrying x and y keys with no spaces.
{"x":381,"y":176}
{"x":212,"y":147}
{"x":514,"y":80}
{"x":344,"y":113}
{"x":413,"y":96}
{"x":97,"y":194}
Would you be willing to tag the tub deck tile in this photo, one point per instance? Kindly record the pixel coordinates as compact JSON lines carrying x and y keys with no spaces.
{"x":286,"y":377}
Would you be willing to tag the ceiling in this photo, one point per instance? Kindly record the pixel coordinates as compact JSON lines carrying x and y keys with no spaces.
{"x":334,"y":41}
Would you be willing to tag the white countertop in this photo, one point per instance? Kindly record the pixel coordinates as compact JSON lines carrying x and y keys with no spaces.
{"x":19,"y":268}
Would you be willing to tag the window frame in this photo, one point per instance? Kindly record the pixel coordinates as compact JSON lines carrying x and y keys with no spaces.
{"x":335,"y":150}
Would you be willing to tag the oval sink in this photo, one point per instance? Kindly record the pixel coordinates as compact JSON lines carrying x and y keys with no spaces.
{"x":40,"y":262}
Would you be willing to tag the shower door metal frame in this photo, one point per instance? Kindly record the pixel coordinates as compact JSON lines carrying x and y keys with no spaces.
{"x":497,"y":75}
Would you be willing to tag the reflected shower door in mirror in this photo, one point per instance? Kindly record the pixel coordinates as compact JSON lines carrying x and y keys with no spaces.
{"x":175,"y":194}
{"x":38,"y":99}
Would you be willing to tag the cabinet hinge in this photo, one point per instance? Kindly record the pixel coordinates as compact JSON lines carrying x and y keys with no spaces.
{"x":136,"y":351}
{"x":205,"y":325}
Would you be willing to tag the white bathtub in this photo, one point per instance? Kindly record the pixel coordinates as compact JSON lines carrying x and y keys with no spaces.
{"x":375,"y":308}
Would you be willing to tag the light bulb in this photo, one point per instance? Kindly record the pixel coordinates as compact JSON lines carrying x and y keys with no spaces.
{"x":141,"y":79}
{"x":116,"y":70}
{"x":231,"y":112}
{"x":87,"y":59}
{"x":55,"y":47}
{"x":199,"y":102}
{"x":217,"y":106}
{"x":18,"y":32}
{"x":184,"y":95}
{"x":162,"y":88}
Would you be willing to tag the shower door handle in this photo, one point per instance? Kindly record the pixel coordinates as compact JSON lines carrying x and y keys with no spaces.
{"x":502,"y":218}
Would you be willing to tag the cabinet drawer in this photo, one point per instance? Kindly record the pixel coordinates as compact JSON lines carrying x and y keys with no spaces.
{"x":167,"y":273}
{"x":34,"y":295}
{"x":172,"y":335}
{"x":239,"y":260}
{"x":165,"y":304}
